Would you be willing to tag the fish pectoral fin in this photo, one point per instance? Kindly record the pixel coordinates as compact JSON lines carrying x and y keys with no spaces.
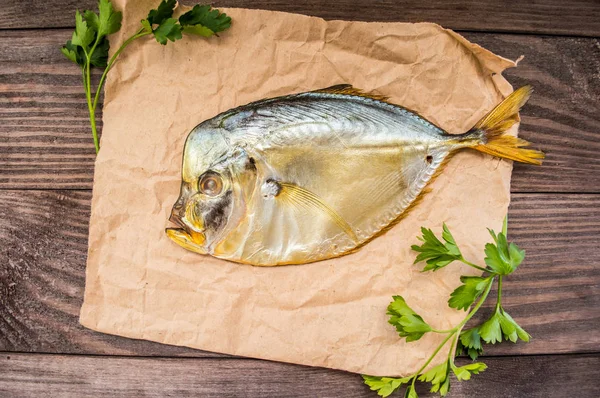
{"x":303,"y":198}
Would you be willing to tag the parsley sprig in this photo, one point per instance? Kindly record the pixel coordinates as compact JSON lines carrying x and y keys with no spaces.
{"x":89,"y":44}
{"x":502,"y":259}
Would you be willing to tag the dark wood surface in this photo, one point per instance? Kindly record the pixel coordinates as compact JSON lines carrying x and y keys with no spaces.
{"x":46,"y":169}
{"x":69,"y":376}
{"x":575,"y":17}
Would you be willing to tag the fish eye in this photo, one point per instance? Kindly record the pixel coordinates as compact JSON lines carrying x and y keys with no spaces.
{"x":210,"y":184}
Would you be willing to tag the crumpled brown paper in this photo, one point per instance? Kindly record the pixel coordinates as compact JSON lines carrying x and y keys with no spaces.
{"x":139,"y":284}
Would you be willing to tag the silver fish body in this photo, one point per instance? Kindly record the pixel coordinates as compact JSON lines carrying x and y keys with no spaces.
{"x":305,"y":177}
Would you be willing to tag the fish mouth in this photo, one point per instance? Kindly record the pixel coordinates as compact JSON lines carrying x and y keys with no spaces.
{"x":186,"y":237}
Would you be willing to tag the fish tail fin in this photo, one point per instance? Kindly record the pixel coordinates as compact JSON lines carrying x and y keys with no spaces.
{"x":491,"y":131}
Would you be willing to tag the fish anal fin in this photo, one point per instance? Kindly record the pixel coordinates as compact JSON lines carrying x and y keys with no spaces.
{"x":303,"y":198}
{"x":347,"y":89}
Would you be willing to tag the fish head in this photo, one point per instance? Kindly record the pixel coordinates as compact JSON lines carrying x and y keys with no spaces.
{"x":211,"y":200}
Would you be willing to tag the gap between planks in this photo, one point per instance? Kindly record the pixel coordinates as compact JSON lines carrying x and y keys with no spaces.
{"x":219,"y":356}
{"x":461,"y":31}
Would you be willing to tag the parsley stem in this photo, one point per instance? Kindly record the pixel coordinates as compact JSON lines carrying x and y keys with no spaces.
{"x":479,"y":304}
{"x":83,"y":77}
{"x":443,"y":331}
{"x":451,"y":352}
{"x":454,"y":330}
{"x":439,"y":347}
{"x":498,"y":306}
{"x":470,"y":264}
{"x":112,"y":60}
{"x":88,"y":95}
{"x":92,"y":106}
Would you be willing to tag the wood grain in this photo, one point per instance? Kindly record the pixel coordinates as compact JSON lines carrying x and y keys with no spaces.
{"x":45,"y":141}
{"x":35,"y":375}
{"x":578,"y":17}
{"x":42,"y":277}
{"x":555,"y":295}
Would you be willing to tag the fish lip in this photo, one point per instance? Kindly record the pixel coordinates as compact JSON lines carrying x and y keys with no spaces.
{"x":189,"y":229}
{"x":193,"y":237}
{"x":179,"y":222}
{"x":192,"y":242}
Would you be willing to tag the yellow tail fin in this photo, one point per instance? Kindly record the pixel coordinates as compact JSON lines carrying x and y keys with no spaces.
{"x":501,"y":118}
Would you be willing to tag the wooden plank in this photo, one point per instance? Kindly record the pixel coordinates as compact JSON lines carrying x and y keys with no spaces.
{"x":37,"y":375}
{"x":578,"y":17}
{"x":555,"y":295}
{"x":42,"y":278}
{"x":45,"y":141}
{"x":563,"y":115}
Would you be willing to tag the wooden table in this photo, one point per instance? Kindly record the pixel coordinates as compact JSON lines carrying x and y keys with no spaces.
{"x":46,"y":169}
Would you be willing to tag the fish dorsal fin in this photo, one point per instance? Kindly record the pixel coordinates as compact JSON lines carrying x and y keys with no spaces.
{"x":304,"y":199}
{"x":347,"y":89}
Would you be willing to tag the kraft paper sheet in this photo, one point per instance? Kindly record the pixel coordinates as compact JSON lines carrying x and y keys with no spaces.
{"x":141,"y":285}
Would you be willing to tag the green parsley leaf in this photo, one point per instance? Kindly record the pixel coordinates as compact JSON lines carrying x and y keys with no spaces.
{"x":516,"y":255}
{"x":438,"y":377}
{"x":198,"y":30}
{"x":501,"y":257}
{"x":70,"y":54}
{"x":490,"y":330}
{"x":384,"y":385}
{"x":511,"y":329}
{"x":109,"y":21}
{"x":74,"y":53}
{"x":473,"y":353}
{"x":100,"y":55}
{"x":83,"y":35}
{"x":91,"y":18}
{"x":471,"y":340}
{"x":464,"y":372}
{"x":168,"y":29}
{"x":91,"y":28}
{"x":146,"y":25}
{"x":494,"y":236}
{"x":163,"y":12}
{"x":466,"y":294}
{"x":407,"y":322}
{"x":450,"y":242}
{"x":204,"y":21}
{"x":501,"y":325}
{"x":200,"y":20}
{"x":434,"y":252}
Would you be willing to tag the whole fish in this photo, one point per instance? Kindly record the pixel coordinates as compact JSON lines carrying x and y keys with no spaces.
{"x":317,"y":175}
